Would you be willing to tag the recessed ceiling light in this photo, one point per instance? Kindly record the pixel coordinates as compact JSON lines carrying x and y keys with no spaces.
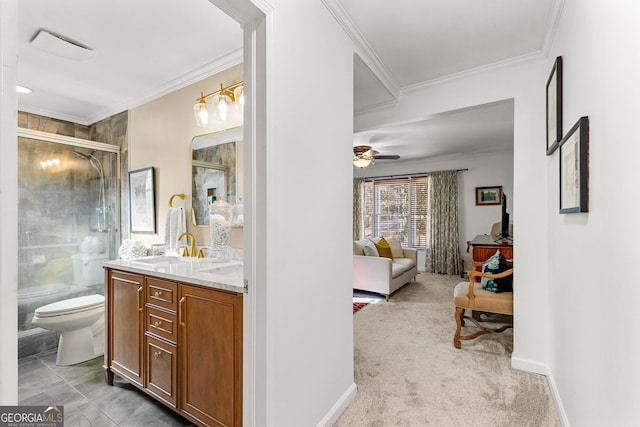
{"x":24,"y":89}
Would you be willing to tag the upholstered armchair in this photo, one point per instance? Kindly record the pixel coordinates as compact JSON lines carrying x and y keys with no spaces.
{"x":466,"y":258}
{"x":471,"y":296}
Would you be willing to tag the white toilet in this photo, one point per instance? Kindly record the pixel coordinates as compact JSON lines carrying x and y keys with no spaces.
{"x":80,"y":322}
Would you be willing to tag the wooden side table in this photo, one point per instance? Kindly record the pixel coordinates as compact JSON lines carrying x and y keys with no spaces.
{"x":484,"y":247}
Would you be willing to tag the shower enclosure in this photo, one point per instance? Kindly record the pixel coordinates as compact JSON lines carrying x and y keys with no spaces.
{"x":68,"y":220}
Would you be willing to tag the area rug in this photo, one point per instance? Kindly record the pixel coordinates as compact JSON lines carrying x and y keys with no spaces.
{"x":357,"y":306}
{"x":408,"y":372}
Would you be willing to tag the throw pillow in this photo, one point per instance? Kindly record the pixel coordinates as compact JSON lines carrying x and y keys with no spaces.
{"x":396,"y":247}
{"x":370,"y":249}
{"x":384,"y":250}
{"x":358,"y":247}
{"x":494,"y":265}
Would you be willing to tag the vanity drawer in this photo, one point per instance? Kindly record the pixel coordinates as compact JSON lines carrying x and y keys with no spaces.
{"x":162,"y":293}
{"x":162,"y":324}
{"x":162,"y":370}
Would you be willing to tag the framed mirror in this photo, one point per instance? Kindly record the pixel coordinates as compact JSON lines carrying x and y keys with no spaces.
{"x":214,"y":171}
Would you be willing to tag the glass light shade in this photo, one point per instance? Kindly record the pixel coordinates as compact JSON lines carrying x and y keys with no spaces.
{"x":238,"y":93}
{"x":361,"y":163}
{"x":221,"y":104}
{"x":201,"y":113}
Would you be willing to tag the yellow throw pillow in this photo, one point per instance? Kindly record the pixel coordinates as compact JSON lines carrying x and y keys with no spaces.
{"x":383,"y":248}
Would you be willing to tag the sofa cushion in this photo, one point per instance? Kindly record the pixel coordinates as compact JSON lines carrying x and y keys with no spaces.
{"x":383,"y":248}
{"x":407,"y":263}
{"x":358,"y":247}
{"x":397,"y":270}
{"x":396,"y":247}
{"x":370,"y":249}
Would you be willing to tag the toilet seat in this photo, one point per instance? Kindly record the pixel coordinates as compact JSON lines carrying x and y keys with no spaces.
{"x":70,"y":306}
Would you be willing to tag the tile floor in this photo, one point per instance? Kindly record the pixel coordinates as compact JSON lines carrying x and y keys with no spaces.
{"x":87,"y":399}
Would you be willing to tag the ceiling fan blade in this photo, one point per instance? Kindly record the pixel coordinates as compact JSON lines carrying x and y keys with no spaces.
{"x":386,"y":157}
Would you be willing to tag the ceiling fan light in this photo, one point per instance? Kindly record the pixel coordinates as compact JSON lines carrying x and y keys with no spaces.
{"x":361,"y":163}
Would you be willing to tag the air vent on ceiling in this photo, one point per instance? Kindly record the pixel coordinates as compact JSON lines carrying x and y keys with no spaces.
{"x":64,"y":47}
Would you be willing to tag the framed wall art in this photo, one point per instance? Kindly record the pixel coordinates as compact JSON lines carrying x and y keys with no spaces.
{"x":574,"y":168}
{"x":488,"y":196}
{"x":554,"y":106}
{"x":142,"y":200}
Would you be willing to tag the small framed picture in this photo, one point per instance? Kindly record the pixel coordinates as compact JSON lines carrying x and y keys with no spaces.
{"x":574,"y":169}
{"x":554,"y":106}
{"x":142,"y":200}
{"x":488,"y":195}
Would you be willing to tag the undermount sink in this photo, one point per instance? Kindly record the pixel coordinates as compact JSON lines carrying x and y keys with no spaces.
{"x":223,"y":269}
{"x":161,"y":261}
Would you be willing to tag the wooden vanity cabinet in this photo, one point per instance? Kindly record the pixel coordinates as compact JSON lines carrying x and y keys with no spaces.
{"x":125,"y":306}
{"x":211,"y":356}
{"x":180,"y":343}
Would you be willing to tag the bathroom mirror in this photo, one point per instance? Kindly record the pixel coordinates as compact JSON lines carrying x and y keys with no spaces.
{"x":214,"y":167}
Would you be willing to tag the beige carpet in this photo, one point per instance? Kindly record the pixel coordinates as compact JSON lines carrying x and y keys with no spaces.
{"x":409,"y":374}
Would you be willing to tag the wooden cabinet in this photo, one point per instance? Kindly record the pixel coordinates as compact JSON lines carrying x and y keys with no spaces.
{"x":125,"y":306}
{"x":180,"y":343}
{"x":211,"y":356}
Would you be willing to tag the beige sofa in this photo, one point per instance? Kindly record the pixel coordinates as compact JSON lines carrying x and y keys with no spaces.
{"x":382,"y":275}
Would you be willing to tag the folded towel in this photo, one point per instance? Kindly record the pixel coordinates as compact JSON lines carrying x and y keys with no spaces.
{"x":175,"y":226}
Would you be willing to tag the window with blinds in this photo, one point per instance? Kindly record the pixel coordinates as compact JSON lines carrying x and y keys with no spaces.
{"x":397,"y":207}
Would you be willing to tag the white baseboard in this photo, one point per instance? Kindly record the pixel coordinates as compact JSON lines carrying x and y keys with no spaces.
{"x":543,"y":369}
{"x":338,"y":408}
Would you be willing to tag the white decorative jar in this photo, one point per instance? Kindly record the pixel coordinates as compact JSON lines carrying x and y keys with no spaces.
{"x":220,"y":230}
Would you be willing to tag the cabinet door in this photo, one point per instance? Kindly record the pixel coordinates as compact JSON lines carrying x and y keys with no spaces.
{"x":161,"y":370}
{"x":125,"y":325}
{"x":210,"y":350}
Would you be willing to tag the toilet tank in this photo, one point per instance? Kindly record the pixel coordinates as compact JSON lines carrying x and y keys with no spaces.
{"x":87,"y":269}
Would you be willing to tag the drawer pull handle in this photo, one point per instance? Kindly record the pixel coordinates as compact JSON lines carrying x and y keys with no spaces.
{"x":157,"y":323}
{"x":157,"y":294}
{"x":157,"y":354}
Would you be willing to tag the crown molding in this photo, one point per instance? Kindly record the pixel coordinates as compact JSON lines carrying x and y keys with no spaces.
{"x":218,"y":65}
{"x":362,"y":47}
{"x":552,"y":26}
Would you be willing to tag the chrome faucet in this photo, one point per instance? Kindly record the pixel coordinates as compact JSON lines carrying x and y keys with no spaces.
{"x":193,"y":244}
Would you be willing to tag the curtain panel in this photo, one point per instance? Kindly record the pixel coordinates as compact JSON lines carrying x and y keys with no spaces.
{"x":443,"y":253}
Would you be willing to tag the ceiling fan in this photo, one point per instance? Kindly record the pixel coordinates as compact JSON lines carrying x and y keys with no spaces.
{"x":364,"y":154}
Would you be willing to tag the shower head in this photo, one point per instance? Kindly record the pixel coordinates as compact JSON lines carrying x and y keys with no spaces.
{"x":81,"y":155}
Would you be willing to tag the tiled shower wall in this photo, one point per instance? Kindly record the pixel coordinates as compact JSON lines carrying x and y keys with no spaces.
{"x":113,"y":131}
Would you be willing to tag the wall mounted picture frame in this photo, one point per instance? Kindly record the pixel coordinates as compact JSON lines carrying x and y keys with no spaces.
{"x":574,"y":168}
{"x":486,"y":196}
{"x":142,"y":200}
{"x":554,"y":107}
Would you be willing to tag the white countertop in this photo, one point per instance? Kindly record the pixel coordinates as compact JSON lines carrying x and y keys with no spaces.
{"x":226,"y":275}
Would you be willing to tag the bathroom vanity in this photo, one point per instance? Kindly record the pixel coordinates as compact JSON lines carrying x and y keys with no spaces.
{"x":174,"y":330}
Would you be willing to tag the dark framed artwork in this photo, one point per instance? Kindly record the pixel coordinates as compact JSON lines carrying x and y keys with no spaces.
{"x":142,"y":200}
{"x":554,"y":106}
{"x":574,"y":168}
{"x":488,"y":196}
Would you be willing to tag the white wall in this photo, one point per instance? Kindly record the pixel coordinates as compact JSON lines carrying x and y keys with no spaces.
{"x":593,"y":295}
{"x":309,"y":263}
{"x":8,"y":204}
{"x":486,"y":170}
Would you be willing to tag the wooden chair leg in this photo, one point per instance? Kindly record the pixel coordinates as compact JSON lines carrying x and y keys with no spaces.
{"x":459,"y":323}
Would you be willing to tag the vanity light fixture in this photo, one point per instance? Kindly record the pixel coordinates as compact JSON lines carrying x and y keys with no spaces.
{"x":222,"y":102}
